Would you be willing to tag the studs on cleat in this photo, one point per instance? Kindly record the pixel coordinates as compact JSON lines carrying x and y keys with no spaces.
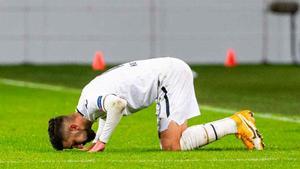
{"x":258,"y":134}
{"x":263,"y":144}
{"x":261,"y":137}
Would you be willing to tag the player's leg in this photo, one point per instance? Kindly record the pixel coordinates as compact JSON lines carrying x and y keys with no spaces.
{"x":242,"y":124}
{"x":182,"y":137}
{"x":170,"y":138}
{"x":177,"y":103}
{"x":175,"y":95}
{"x":200,"y":135}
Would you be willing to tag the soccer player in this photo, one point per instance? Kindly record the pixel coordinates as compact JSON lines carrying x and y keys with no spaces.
{"x":129,"y":87}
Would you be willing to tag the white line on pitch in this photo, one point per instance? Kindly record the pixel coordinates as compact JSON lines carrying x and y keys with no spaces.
{"x":147,"y":161}
{"x":260,"y":115}
{"x":37,"y":85}
{"x":74,"y":90}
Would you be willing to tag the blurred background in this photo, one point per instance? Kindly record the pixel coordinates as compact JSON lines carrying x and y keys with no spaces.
{"x":55,"y":41}
{"x":198,"y":31}
{"x":50,"y":49}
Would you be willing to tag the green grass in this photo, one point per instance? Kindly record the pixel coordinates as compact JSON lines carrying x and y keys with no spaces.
{"x":273,"y":89}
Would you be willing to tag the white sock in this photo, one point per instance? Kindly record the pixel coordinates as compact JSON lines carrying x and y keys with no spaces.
{"x":199,"y":135}
{"x":218,"y":129}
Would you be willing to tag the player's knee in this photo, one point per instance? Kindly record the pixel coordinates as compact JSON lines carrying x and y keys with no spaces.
{"x":175,"y":147}
{"x":170,"y":145}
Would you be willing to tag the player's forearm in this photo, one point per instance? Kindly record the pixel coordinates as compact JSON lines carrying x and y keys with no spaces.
{"x":114,"y":107}
{"x":100,"y":129}
{"x":109,"y":127}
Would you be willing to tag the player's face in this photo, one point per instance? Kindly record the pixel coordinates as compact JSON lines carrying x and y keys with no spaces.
{"x":78,"y":138}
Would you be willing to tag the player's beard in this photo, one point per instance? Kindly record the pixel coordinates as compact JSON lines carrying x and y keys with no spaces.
{"x":90,"y":136}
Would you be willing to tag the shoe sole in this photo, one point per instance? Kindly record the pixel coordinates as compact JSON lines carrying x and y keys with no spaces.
{"x":257,"y":137}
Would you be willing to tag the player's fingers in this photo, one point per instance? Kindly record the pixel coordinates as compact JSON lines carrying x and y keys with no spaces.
{"x":93,"y":150}
{"x":96,"y":148}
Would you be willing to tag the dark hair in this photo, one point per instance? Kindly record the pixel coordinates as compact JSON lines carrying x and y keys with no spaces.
{"x":55,"y":132}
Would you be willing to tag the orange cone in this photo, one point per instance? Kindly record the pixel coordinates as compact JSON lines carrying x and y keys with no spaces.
{"x":98,"y":61}
{"x":230,"y":58}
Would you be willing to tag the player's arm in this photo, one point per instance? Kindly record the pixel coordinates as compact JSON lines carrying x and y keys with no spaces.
{"x":101,"y":124}
{"x":113,"y":106}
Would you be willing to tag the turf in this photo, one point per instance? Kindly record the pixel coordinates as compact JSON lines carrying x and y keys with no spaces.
{"x":25,"y":112}
{"x":273,"y":89}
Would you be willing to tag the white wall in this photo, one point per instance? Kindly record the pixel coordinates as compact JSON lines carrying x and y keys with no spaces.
{"x":198,"y":31}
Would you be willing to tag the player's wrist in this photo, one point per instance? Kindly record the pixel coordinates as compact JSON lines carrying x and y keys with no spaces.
{"x":95,"y":141}
{"x":102,"y":142}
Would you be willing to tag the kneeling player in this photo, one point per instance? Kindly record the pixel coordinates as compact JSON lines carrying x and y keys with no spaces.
{"x":130,"y":87}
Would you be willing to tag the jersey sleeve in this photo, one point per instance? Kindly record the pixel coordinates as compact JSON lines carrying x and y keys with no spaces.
{"x":114,"y":107}
{"x":100,"y":129}
{"x":91,"y":107}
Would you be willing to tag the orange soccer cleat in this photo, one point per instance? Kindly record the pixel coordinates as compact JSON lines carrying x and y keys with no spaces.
{"x":247,"y":131}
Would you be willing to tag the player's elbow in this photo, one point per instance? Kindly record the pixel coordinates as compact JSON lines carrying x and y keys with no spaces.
{"x":114,"y":102}
{"x":119,"y":104}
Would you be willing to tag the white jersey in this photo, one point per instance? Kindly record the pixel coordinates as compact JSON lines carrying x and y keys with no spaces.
{"x":168,"y":81}
{"x":137,"y":82}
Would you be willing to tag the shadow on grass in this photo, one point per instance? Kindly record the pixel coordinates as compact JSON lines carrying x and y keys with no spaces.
{"x":150,"y":150}
{"x":221,"y":149}
{"x":155,"y":150}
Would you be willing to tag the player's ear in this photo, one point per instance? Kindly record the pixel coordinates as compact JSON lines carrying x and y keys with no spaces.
{"x":73,"y":127}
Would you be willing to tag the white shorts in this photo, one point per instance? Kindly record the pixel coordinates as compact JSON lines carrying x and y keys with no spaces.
{"x":176,"y":95}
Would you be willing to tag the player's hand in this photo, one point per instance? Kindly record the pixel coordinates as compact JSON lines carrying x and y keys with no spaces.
{"x":87,"y":148}
{"x":99,"y":146}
